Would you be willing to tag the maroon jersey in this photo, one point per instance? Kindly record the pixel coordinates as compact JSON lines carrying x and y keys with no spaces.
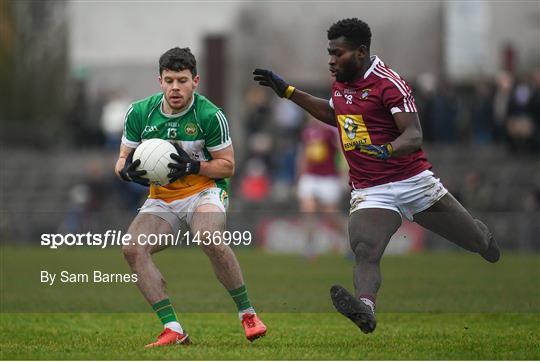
{"x":364,"y":110}
{"x":320,"y":147}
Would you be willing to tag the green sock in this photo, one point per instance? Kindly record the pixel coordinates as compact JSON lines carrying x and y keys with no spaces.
{"x":240,"y":297}
{"x":165,"y":311}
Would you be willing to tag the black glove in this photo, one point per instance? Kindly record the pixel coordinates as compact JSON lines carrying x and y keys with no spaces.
{"x":130,"y":174}
{"x":184,"y":166}
{"x":382,"y":152}
{"x":268,"y":79}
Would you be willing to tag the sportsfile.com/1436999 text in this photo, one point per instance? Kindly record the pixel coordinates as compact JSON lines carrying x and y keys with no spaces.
{"x":119,"y":238}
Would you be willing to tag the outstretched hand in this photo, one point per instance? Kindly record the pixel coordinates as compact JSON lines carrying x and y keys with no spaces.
{"x":268,"y":78}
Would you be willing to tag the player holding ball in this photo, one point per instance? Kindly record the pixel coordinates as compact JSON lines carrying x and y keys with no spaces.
{"x":196,"y":197}
{"x":390,"y":178}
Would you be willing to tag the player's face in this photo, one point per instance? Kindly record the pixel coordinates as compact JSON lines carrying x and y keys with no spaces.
{"x":345,"y":63}
{"x":178,"y":88}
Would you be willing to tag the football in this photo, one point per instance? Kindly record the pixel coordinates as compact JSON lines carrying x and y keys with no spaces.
{"x":155,"y":156}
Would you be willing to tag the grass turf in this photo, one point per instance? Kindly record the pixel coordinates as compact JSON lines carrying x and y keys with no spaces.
{"x":291,"y":336}
{"x":431,"y":306}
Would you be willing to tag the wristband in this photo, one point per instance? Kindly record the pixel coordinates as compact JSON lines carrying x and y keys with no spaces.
{"x":390,"y":149}
{"x":194,"y":167}
{"x":289,"y":92}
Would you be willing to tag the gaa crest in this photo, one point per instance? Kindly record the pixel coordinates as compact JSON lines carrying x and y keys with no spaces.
{"x":364,"y":94}
{"x":190,"y":129}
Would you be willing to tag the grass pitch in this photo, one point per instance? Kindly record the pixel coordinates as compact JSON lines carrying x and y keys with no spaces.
{"x":291,"y":336}
{"x":431,"y":306}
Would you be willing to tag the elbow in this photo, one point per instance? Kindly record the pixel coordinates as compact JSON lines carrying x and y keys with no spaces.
{"x":417,"y":140}
{"x":231,"y":170}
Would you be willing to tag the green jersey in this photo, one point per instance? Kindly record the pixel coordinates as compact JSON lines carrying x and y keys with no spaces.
{"x":200,"y":129}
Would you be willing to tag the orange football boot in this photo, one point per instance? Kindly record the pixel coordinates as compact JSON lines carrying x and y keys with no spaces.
{"x":253,"y":326}
{"x":168,"y":336}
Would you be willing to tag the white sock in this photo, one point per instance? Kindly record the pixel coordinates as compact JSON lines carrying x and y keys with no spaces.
{"x":369,"y":303}
{"x":250,"y":310}
{"x":175,"y":326}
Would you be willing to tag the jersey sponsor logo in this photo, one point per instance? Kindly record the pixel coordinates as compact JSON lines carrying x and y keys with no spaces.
{"x":317,"y":151}
{"x":350,"y":128}
{"x":190,"y":129}
{"x":349,"y":91}
{"x":337,"y":94}
{"x":353,"y":131}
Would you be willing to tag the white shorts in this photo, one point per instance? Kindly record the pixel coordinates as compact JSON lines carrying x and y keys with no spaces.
{"x":406,"y":197}
{"x":179,"y":213}
{"x":325,"y":189}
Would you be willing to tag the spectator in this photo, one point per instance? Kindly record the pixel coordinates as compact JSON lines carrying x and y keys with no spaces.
{"x":501,"y":102}
{"x":444,"y":113}
{"x":427,"y":84}
{"x":482,"y":114}
{"x":112,"y":119}
{"x":519,"y":126}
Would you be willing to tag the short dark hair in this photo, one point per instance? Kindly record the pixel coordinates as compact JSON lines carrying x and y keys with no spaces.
{"x":355,"y":31}
{"x":178,"y":59}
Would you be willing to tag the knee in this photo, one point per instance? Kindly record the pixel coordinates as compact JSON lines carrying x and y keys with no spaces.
{"x":132,"y":253}
{"x":363,"y":251}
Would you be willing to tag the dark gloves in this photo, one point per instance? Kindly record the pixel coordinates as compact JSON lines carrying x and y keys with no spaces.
{"x":382,"y":152}
{"x":269,"y":79}
{"x":130,"y":173}
{"x":184,"y":164}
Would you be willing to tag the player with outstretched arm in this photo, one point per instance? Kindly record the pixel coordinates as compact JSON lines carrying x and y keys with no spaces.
{"x":381,"y":138}
{"x":197,"y":196}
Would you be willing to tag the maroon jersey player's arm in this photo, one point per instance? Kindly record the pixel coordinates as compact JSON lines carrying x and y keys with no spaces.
{"x":317,"y":107}
{"x":410,"y":139}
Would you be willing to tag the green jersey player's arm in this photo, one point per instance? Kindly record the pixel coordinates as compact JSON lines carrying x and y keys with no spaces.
{"x":219,"y":144}
{"x":131,"y":137}
{"x":122,"y":156}
{"x":221,"y":165}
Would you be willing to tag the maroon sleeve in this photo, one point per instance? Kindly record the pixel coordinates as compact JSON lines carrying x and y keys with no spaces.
{"x":397,"y":96}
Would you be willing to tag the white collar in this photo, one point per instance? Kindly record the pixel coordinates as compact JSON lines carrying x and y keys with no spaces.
{"x":176,"y":114}
{"x":374,"y":61}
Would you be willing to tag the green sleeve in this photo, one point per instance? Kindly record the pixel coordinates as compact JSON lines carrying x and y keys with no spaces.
{"x":132,"y":128}
{"x":217,"y":135}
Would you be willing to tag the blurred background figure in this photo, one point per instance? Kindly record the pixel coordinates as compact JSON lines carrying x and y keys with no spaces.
{"x":444,"y":113}
{"x":425,"y":94}
{"x":255,"y":184}
{"x":112,"y":118}
{"x":501,"y":104}
{"x":320,"y":187}
{"x":86,"y":200}
{"x":482,"y":126}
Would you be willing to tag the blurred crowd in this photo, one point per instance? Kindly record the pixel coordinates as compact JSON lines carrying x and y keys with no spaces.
{"x":504,"y":110}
